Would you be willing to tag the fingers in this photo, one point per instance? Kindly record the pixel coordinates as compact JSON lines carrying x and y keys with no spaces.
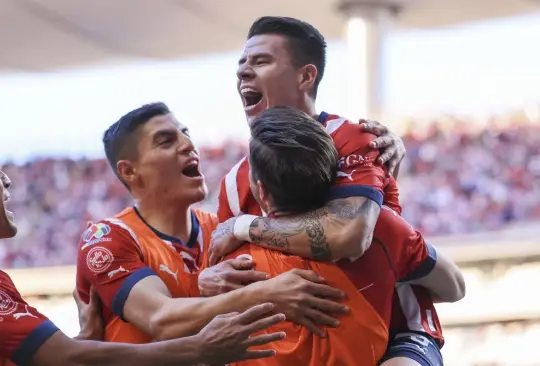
{"x":309,"y":325}
{"x":309,"y":275}
{"x":254,"y":313}
{"x":265,"y":323}
{"x":391,"y":166}
{"x":95,"y":300}
{"x":321,"y":318}
{"x":373,"y":127}
{"x":255,"y":355}
{"x":388,"y":155}
{"x":246,"y":277}
{"x":227,"y":315}
{"x":77,"y":298}
{"x":241,"y":263}
{"x":213,"y":256}
{"x":325,"y":291}
{"x":327,"y":306}
{"x":382,"y":142}
{"x":263,"y":339}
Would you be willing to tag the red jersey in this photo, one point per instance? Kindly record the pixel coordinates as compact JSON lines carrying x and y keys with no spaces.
{"x":358,"y":174}
{"x":413,"y":311}
{"x":23,"y":330}
{"x":116,"y":253}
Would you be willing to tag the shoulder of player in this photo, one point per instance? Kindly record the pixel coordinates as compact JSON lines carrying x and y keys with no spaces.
{"x":343,"y":127}
{"x":8,"y":289}
{"x":241,"y":167}
{"x":107,"y":231}
{"x":394,"y":224}
{"x":205,"y":218}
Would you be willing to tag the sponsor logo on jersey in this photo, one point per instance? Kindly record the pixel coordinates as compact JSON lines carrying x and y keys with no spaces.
{"x":354,"y":160}
{"x":7,"y":305}
{"x":99,"y":259}
{"x":96,"y":234}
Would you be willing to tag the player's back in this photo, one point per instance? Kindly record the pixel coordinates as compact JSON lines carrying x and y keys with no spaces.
{"x":149,"y":254}
{"x":360,"y":339}
{"x":369,"y":282}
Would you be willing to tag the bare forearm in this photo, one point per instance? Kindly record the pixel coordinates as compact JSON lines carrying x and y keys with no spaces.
{"x":60,"y":350}
{"x":179,"y":352}
{"x":339,"y":229}
{"x":187,"y":316}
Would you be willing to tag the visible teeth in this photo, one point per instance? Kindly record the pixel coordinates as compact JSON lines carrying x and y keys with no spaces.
{"x":248,"y":90}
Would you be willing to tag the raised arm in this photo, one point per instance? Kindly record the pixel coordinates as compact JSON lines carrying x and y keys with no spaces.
{"x":341,"y":229}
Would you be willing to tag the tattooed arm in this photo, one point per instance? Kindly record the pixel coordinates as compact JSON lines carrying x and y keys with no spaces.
{"x":341,"y":229}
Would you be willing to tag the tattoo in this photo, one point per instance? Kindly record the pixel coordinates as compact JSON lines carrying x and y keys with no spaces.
{"x":277,"y":232}
{"x":223,"y":229}
{"x":272,"y":233}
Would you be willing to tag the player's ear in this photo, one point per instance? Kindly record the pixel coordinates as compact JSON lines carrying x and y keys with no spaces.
{"x":307,"y":76}
{"x":126,"y":171}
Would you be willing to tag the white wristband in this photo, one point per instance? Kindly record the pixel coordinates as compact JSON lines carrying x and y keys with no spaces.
{"x":242,"y":225}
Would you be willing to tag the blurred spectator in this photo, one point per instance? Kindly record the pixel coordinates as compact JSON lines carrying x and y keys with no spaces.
{"x":453,"y":181}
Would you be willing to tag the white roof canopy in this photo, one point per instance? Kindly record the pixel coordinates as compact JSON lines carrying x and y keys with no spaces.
{"x":43,"y":35}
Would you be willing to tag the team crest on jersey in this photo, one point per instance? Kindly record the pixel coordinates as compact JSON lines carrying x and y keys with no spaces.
{"x":99,"y":259}
{"x":7,"y":305}
{"x":96,"y":234}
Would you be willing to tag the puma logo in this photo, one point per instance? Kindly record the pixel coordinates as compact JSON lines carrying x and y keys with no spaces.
{"x":343,"y":174}
{"x":164,"y":268}
{"x":116,"y":271}
{"x":27,"y":313}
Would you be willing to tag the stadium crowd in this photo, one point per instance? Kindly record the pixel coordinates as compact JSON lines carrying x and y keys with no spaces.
{"x":453,"y":181}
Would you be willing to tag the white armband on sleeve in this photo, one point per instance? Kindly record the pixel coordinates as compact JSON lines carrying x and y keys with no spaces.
{"x":242,"y":225}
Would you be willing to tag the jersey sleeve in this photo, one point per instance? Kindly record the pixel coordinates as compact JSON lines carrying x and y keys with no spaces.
{"x":111,"y":261}
{"x":357,"y":175}
{"x":23,"y":330}
{"x":418,"y":258}
{"x":224,"y":210}
{"x":391,"y":196}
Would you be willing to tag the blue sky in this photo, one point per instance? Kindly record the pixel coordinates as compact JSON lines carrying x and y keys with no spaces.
{"x":474,"y":69}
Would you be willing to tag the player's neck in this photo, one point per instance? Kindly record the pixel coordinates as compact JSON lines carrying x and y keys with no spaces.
{"x":309,"y":108}
{"x":173,"y":220}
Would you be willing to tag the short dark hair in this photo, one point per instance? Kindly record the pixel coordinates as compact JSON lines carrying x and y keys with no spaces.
{"x":120,"y":139}
{"x":306,"y":44}
{"x":294,"y":157}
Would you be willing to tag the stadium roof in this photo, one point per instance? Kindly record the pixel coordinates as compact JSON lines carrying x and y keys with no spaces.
{"x":41,"y":35}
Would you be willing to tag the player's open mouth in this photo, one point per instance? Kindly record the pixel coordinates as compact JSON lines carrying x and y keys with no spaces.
{"x":252,"y":98}
{"x":191,"y":169}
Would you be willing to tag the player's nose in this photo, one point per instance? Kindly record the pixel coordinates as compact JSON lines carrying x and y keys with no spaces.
{"x":186,"y":146}
{"x":245,"y":72}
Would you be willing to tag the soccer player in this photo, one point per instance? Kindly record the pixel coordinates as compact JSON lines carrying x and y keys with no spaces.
{"x":282,"y":64}
{"x":144,"y":262}
{"x":293,"y":164}
{"x":29,"y":338}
